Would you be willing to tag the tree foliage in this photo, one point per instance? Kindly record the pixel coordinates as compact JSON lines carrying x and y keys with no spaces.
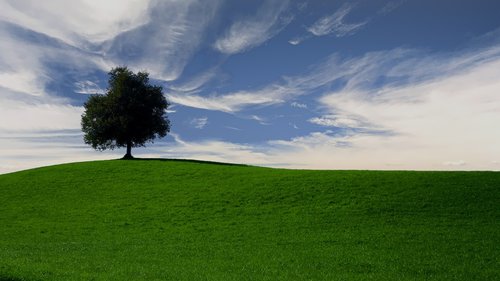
{"x":130,"y":114}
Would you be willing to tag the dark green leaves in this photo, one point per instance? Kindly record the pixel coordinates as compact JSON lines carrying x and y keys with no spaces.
{"x":132,"y":111}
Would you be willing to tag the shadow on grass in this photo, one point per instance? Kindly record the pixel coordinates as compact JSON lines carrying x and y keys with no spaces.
{"x":12,"y":278}
{"x":182,"y":160}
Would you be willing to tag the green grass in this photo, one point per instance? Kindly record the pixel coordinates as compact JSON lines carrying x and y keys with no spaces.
{"x":183,"y":220}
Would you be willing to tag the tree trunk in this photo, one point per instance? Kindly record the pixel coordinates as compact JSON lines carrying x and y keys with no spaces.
{"x":129,"y":151}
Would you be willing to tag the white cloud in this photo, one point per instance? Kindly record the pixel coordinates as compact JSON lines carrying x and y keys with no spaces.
{"x":194,"y":84}
{"x":199,"y":123}
{"x":355,"y":70}
{"x":278,"y":92}
{"x":21,"y":116}
{"x":157,"y":36}
{"x":398,"y":66}
{"x":213,"y":150}
{"x":449,"y":117}
{"x":210,"y":103}
{"x":166,"y":44}
{"x":24,"y":68}
{"x":334,"y":24}
{"x":78,"y":20}
{"x":339,"y":121}
{"x":25,"y":103}
{"x":259,"y":119}
{"x":21,"y":73}
{"x":25,"y":100}
{"x":437,"y":107}
{"x":433,"y":108}
{"x":248,"y":33}
{"x":22,"y":81}
{"x":298,"y":105}
{"x":88,"y":88}
{"x":256,"y":118}
{"x":233,"y":102}
{"x":28,"y":110}
{"x":25,"y":150}
{"x":299,"y":39}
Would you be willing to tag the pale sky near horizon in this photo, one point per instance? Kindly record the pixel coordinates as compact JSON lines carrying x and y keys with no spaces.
{"x":368,"y":84}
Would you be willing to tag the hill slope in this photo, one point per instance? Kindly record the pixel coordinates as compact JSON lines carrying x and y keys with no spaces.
{"x":182,"y":220}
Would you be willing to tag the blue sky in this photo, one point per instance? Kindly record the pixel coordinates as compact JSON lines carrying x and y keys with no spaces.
{"x":399,"y":84}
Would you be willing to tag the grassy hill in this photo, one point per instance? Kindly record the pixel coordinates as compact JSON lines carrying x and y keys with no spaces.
{"x":184,"y":220}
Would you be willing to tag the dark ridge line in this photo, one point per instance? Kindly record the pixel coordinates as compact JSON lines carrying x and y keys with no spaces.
{"x":185,"y":160}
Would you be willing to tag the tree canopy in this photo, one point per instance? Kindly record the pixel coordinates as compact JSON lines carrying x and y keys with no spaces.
{"x":130,"y":114}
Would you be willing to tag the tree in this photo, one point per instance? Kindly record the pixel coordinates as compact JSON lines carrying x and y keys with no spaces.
{"x":130,"y":114}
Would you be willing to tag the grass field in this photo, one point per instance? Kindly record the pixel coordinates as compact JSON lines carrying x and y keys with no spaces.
{"x":183,"y":220}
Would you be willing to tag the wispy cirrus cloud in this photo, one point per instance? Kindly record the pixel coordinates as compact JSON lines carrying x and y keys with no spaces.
{"x":296,"y":40}
{"x":29,"y":64}
{"x":341,"y":121}
{"x":160,"y":36}
{"x":88,"y":88}
{"x":77,"y":21}
{"x":36,"y":54}
{"x":233,"y":102}
{"x":248,"y":33}
{"x":195,"y":83}
{"x":199,"y":123}
{"x":156,"y":36}
{"x":370,"y":72}
{"x":333,"y":68}
{"x":335,"y":24}
{"x":399,"y":109}
{"x":431,"y":121}
{"x":298,"y":105}
{"x":390,"y":6}
{"x":41,"y":59}
{"x":395,"y":109}
{"x":168,"y":41}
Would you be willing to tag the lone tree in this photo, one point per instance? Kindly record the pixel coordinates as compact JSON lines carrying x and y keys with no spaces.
{"x":131,"y":113}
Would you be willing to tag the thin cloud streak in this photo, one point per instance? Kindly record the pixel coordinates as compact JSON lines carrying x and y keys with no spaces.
{"x":199,"y":123}
{"x":248,"y":33}
{"x":341,"y":121}
{"x":335,"y":24}
{"x":88,"y":88}
{"x":194,"y":84}
{"x":233,"y":102}
{"x":390,"y":7}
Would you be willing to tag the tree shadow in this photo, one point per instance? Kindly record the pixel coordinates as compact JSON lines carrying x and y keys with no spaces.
{"x":12,"y":278}
{"x":182,"y":160}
